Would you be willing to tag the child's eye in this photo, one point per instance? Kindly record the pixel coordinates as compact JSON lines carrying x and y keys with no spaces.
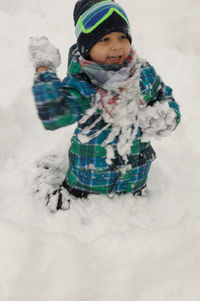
{"x":123,"y":37}
{"x":104,"y":40}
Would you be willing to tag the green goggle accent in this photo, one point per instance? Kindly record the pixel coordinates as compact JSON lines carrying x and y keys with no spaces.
{"x":96,"y":15}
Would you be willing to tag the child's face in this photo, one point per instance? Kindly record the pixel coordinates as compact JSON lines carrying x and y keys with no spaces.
{"x":113,"y":48}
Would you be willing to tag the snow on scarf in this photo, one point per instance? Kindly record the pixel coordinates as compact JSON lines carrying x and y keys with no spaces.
{"x":117,"y":98}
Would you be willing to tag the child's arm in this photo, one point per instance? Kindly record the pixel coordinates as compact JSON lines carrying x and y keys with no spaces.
{"x":42,"y":69}
{"x":58,"y":103}
{"x":161,"y":114}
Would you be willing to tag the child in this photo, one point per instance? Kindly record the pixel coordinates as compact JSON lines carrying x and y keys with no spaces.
{"x":117,"y":100}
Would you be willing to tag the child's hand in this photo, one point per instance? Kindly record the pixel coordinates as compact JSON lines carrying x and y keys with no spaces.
{"x":157,"y":120}
{"x":43,"y":54}
{"x":42,"y":69}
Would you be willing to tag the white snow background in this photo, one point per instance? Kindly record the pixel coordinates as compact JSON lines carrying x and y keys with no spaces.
{"x":121,"y":249}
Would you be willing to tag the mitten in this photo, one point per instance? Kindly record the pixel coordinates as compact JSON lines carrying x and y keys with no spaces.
{"x":157,"y":120}
{"x":43,"y":53}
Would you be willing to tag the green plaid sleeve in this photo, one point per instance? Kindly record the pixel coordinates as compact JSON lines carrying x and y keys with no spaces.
{"x":153,"y":89}
{"x":60,"y":103}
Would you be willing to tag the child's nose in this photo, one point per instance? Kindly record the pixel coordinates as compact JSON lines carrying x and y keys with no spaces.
{"x":116,"y":45}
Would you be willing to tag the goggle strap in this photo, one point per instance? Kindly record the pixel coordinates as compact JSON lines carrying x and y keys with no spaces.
{"x":109,"y":13}
{"x":81,"y":28}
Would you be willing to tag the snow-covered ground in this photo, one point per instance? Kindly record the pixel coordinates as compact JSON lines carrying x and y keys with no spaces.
{"x":120,"y":249}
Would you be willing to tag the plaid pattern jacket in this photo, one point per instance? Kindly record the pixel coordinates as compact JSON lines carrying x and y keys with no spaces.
{"x":60,"y":104}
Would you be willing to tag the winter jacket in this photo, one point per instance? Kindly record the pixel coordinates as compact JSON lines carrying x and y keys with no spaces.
{"x":62,"y":103}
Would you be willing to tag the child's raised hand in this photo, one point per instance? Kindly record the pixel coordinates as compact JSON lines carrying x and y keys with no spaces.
{"x":43,"y":54}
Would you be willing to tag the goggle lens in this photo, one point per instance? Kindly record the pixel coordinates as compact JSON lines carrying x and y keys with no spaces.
{"x":96,"y":15}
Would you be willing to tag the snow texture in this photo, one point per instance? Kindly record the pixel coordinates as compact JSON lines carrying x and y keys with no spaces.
{"x":121,"y":248}
{"x":43,"y":53}
{"x":118,"y":103}
{"x":157,"y":121}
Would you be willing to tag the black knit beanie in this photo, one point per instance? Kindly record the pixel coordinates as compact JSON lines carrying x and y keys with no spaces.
{"x":115,"y":23}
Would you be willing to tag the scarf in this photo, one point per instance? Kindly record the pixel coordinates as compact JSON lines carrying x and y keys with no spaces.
{"x":117,"y":99}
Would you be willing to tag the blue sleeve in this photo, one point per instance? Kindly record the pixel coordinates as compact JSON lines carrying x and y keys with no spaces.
{"x":60,"y":103}
{"x":153,"y":89}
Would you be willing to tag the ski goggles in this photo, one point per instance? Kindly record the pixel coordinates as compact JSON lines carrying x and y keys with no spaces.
{"x":96,"y":15}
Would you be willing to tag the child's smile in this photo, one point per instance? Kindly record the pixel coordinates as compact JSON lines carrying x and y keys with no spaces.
{"x":115,"y":59}
{"x":113,"y":48}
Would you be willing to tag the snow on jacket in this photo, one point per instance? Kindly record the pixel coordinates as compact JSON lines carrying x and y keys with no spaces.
{"x":60,"y":104}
